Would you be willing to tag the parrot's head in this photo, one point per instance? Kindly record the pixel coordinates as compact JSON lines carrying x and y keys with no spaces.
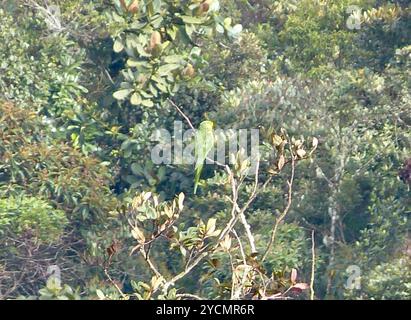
{"x":207,"y":125}
{"x":207,"y":118}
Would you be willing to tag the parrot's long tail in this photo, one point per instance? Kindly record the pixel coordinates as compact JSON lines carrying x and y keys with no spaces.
{"x":197,"y":175}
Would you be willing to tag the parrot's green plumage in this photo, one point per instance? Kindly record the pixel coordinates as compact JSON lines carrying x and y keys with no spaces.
{"x":204,"y":142}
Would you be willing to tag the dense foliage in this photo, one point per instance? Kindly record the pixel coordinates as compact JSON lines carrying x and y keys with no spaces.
{"x":86,"y":211}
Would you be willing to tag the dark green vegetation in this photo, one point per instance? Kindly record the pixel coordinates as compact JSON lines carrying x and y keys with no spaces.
{"x":84,"y":84}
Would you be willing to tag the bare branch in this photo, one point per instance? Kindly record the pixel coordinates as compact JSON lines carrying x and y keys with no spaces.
{"x":189,"y":296}
{"x":312,"y":266}
{"x":150,"y":263}
{"x":114,"y":284}
{"x":287,"y":207}
{"x":182,"y":114}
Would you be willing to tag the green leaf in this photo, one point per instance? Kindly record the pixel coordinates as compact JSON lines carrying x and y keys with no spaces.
{"x":135,"y":99}
{"x":176,"y":58}
{"x":118,"y":46}
{"x":172,"y":32}
{"x":147,"y":103}
{"x":161,"y":87}
{"x":192,"y":20}
{"x":134,"y":63}
{"x":211,"y":225}
{"x":181,"y":201}
{"x":136,"y":169}
{"x":227,"y":22}
{"x":122,"y":94}
{"x":220,"y":28}
{"x":185,"y":35}
{"x":167,"y":68}
{"x":236,"y":30}
{"x":100,"y":294}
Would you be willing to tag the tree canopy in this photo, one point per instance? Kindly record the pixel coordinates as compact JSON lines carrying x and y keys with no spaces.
{"x":205,"y":149}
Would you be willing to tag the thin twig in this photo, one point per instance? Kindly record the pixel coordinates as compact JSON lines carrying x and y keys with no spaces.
{"x":114,"y":284}
{"x":234,"y":295}
{"x":244,"y":221}
{"x":286,"y":209}
{"x":312,"y":266}
{"x":240,"y":245}
{"x":185,"y":272}
{"x":150,"y":263}
{"x":182,"y":113}
{"x":252,"y":197}
{"x":189,"y":296}
{"x":233,"y":275}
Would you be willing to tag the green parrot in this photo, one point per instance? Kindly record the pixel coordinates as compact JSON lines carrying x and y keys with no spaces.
{"x":204,"y":142}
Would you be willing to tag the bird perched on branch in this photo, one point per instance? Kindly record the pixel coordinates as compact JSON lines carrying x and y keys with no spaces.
{"x":204,"y":142}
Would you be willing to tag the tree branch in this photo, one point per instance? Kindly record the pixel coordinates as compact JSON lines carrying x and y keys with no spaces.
{"x":287,"y":207}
